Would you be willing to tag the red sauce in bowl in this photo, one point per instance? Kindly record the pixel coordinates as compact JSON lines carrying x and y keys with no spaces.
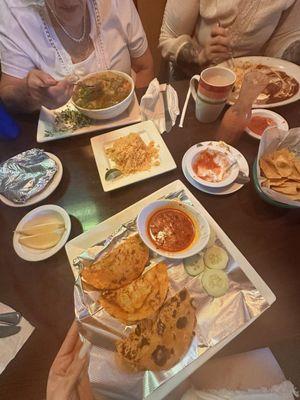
{"x":259,"y":124}
{"x":171,"y":229}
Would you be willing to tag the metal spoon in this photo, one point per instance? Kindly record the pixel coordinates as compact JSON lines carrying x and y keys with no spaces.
{"x":242,"y":178}
{"x":112,"y":174}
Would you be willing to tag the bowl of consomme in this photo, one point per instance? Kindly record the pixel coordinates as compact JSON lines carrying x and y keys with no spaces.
{"x":103,"y":95}
{"x":173,"y":229}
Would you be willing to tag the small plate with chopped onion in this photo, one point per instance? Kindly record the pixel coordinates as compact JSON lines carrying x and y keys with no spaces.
{"x":130,"y":155}
{"x":42,"y":233}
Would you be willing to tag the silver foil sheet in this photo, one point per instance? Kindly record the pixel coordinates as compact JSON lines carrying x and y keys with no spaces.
{"x":25,"y":175}
{"x":216,"y":318}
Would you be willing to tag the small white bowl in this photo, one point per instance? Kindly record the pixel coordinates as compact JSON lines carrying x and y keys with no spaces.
{"x":109,"y":112}
{"x":200,"y":223}
{"x":280,"y":122}
{"x":29,"y":254}
{"x":234,"y":170}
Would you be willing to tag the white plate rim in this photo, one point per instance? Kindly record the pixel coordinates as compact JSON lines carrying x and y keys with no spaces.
{"x":52,"y":185}
{"x":44,"y":254}
{"x":134,"y":116}
{"x":278,"y":63}
{"x":193,"y":152}
{"x":234,"y":187}
{"x":281,"y":122}
{"x":167,"y":161}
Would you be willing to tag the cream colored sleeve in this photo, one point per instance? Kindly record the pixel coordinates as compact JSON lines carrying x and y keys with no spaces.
{"x":286,"y":33}
{"x":178,"y":26}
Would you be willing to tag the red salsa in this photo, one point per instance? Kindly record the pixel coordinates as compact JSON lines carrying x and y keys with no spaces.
{"x":211,"y":165}
{"x":259,"y":124}
{"x":171,"y":229}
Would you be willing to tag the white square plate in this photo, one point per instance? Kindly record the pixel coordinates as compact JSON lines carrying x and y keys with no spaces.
{"x":46,"y":121}
{"x":101,"y":231}
{"x":148,"y":132}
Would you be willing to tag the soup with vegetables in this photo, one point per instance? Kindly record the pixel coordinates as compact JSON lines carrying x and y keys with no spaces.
{"x":101,"y":90}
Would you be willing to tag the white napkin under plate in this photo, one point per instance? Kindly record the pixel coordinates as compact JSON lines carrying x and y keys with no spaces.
{"x":10,"y":346}
{"x":152,"y":104}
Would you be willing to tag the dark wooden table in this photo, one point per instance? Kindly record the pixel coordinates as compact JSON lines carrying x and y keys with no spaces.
{"x":43,"y":292}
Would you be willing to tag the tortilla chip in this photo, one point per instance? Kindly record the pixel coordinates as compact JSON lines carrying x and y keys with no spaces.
{"x":294,"y":196}
{"x":283,"y":166}
{"x":277,"y":182}
{"x":295,"y":175}
{"x":268,"y":169}
{"x":286,"y":189}
{"x":297,"y":164}
{"x":118,"y":267}
{"x":140,"y":299}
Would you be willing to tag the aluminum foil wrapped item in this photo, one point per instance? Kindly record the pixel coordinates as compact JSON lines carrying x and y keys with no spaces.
{"x":217,"y":318}
{"x":277,"y":139}
{"x":26,"y":174}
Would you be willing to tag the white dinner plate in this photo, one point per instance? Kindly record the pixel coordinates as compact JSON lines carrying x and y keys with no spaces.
{"x":148,"y":132}
{"x":280,"y":122}
{"x":52,"y":185}
{"x":233,"y":187}
{"x":29,"y":254}
{"x":46,"y":122}
{"x":289,"y":68}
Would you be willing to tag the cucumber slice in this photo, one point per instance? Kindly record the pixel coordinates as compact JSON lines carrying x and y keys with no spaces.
{"x":216,"y":257}
{"x":215,"y":282}
{"x":194,"y":265}
{"x":212,"y":238}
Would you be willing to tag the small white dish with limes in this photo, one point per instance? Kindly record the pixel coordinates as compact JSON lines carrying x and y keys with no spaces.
{"x":42,"y":233}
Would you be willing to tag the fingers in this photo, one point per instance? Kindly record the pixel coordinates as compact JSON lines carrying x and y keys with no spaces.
{"x":220,"y":40}
{"x":79,"y":365}
{"x":40,"y":79}
{"x":217,"y":30}
{"x":70,"y":341}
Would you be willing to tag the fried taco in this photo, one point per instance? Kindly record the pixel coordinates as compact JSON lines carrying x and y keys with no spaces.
{"x":139,"y":299}
{"x":159,"y":344}
{"x":119,"y":266}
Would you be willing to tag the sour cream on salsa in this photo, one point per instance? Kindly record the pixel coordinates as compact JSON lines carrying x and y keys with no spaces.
{"x":171,"y":229}
{"x":211,"y":165}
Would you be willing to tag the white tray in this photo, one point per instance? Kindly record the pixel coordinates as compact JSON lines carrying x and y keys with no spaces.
{"x":46,"y":120}
{"x":148,"y":132}
{"x":87,"y":239}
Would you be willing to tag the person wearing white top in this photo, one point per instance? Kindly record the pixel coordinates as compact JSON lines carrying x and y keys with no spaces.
{"x":44,"y":41}
{"x":196,"y":33}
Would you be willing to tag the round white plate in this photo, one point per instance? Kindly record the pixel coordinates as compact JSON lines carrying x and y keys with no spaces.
{"x":29,"y":254}
{"x":234,"y":170}
{"x":52,"y":185}
{"x":281,"y":123}
{"x":242,"y":163}
{"x":289,"y":68}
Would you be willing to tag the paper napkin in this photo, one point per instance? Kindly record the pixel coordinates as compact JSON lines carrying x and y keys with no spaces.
{"x":10,"y":346}
{"x":152,"y":104}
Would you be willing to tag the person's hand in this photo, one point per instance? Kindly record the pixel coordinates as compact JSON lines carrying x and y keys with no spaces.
{"x":68,"y":378}
{"x":218,"y":45}
{"x":46,"y":91}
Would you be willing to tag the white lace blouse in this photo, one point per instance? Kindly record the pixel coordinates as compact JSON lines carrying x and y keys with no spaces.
{"x":251,"y":23}
{"x":28,"y":40}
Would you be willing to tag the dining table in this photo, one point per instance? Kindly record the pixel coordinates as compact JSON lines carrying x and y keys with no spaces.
{"x":267,"y":235}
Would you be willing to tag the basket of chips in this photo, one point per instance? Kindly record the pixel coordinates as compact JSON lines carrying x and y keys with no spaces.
{"x":276,"y":171}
